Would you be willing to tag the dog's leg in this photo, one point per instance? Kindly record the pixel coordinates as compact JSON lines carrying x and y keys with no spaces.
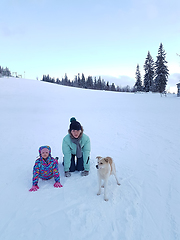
{"x":105,"y":189}
{"x":116,"y":179}
{"x":114,"y":173}
{"x":99,"y":182}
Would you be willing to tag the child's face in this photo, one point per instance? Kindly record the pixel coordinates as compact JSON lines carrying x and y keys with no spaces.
{"x":45,"y":153}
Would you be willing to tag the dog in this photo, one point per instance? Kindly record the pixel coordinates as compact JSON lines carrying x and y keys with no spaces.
{"x":106,"y":167}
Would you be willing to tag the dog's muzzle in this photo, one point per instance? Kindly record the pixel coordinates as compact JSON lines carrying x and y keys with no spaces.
{"x":97,"y":166}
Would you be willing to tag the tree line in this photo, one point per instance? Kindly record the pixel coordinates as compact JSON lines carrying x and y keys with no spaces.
{"x":90,"y":82}
{"x":5,"y":72}
{"x":155,"y":77}
{"x":156,"y":73}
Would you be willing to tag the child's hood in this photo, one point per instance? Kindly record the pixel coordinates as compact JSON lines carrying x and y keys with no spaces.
{"x":41,"y":148}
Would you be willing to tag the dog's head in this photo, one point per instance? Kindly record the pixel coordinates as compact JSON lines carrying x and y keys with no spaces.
{"x":102,"y":162}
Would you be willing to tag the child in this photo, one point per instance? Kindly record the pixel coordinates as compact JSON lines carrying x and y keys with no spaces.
{"x":46,"y":167}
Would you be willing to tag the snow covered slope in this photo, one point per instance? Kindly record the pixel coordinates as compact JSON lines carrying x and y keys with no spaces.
{"x":141,"y":132}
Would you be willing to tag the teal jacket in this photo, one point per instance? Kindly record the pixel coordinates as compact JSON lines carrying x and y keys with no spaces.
{"x":69,"y":148}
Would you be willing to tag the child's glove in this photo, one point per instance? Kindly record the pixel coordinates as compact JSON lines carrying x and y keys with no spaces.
{"x":34,"y":188}
{"x":58,"y":185}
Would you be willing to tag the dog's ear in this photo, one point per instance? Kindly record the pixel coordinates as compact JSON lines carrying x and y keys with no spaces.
{"x":106,"y":159}
{"x":98,"y":157}
{"x":109,"y":160}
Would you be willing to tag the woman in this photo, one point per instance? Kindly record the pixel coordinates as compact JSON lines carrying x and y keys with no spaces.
{"x":76,"y":144}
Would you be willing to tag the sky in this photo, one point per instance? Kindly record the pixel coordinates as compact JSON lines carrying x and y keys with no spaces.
{"x":96,"y":37}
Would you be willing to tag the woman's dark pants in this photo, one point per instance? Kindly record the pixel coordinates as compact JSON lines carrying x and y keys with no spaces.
{"x":79,"y":166}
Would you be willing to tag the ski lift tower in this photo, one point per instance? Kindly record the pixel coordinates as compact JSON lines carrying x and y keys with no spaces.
{"x":14,"y":73}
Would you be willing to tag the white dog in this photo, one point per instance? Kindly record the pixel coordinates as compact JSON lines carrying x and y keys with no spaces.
{"x":106,"y":167}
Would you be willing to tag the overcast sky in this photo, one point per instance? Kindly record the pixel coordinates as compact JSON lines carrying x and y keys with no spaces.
{"x":94,"y":37}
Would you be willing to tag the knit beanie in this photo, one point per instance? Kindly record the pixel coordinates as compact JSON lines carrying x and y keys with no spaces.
{"x":74,"y":125}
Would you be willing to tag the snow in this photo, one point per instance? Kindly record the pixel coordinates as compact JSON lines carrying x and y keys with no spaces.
{"x":141,"y":132}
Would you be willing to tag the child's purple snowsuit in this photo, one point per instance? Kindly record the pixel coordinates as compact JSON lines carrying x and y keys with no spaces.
{"x":45,"y":169}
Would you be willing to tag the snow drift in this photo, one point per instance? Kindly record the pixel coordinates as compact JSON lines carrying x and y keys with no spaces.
{"x":140,"y":132}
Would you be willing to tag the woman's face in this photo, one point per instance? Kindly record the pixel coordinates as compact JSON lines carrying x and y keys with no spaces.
{"x":75,"y":133}
{"x":44,"y":153}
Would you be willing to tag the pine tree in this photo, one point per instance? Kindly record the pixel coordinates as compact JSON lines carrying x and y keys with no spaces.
{"x":95,"y":83}
{"x":43,"y":78}
{"x":138,"y":84}
{"x":113,"y":88}
{"x":5,"y":72}
{"x":75,"y":82}
{"x":66,"y":80}
{"x":107,"y":87}
{"x":48,"y":79}
{"x":161,"y":70}
{"x":57,"y":81}
{"x":99,"y":84}
{"x":127,"y":88}
{"x":89,"y":82}
{"x":83,"y":81}
{"x":149,"y":73}
{"x":103,"y":84}
{"x":79,"y":80}
{"x":118,"y":88}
